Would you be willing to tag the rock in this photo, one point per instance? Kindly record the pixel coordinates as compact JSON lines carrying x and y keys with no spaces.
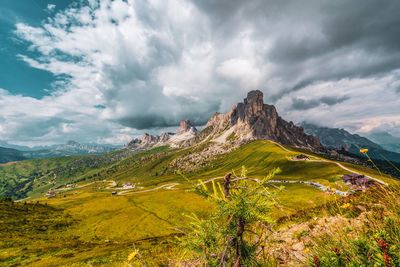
{"x":253,"y":120}
{"x":344,"y":147}
{"x":298,"y":246}
{"x":165,"y":137}
{"x":186,"y":126}
{"x":147,"y":141}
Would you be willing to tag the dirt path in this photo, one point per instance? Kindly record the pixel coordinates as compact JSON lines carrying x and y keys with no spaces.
{"x":112,"y":184}
{"x":281,"y":146}
{"x":329,"y":161}
{"x":347,"y":169}
{"x":22,"y":199}
{"x":344,"y":168}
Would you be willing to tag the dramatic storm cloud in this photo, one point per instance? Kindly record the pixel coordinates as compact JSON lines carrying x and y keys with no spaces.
{"x":124,"y":67}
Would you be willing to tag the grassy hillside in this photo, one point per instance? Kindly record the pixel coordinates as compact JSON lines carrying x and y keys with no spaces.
{"x":34,"y":177}
{"x":87,"y":224}
{"x":9,"y":154}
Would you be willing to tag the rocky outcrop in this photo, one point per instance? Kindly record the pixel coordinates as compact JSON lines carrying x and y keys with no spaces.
{"x":186,"y":126}
{"x":185,"y":132}
{"x":148,"y":141}
{"x":185,"y":136}
{"x":254,"y":120}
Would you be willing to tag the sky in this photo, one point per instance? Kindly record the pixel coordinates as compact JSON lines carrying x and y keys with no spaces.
{"x":107,"y":71}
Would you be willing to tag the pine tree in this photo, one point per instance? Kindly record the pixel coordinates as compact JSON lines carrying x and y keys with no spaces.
{"x":232,"y":235}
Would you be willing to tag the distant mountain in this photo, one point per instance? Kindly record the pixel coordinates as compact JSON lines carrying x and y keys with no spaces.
{"x":341,"y":139}
{"x":72,"y":148}
{"x":17,"y":147}
{"x":186,"y":132}
{"x":9,"y":154}
{"x":386,"y":140}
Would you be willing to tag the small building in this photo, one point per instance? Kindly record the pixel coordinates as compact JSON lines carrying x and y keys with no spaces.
{"x":365,"y":182}
{"x":359,"y":180}
{"x":128,"y":186}
{"x":302,"y":157}
{"x":351,"y":178}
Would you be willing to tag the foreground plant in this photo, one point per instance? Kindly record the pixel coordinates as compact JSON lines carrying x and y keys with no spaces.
{"x":375,"y":241}
{"x":235,"y":232}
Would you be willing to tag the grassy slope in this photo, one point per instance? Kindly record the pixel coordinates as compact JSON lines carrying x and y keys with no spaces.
{"x":149,"y":217}
{"x":17,"y":178}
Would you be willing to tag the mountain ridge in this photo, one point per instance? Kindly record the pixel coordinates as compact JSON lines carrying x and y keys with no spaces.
{"x":248,"y":120}
{"x":386,"y":140}
{"x":10,"y":154}
{"x":340,"y":139}
{"x":71,"y":148}
{"x":254,"y":120}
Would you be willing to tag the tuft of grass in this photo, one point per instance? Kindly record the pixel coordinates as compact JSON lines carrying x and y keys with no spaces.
{"x":371,"y":239}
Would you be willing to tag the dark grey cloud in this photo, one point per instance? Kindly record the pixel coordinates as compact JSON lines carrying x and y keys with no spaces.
{"x":153,"y":64}
{"x":318,"y":40}
{"x":332,"y":100}
{"x":302,"y":104}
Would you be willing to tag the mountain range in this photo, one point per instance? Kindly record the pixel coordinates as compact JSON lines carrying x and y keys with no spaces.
{"x":10,"y":154}
{"x":246,"y":121}
{"x":342,"y":140}
{"x":71,"y":148}
{"x":386,"y":140}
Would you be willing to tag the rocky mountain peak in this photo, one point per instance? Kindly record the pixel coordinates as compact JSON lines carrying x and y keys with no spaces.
{"x":253,"y":120}
{"x":148,"y":139}
{"x":165,"y":137}
{"x":254,"y":101}
{"x":186,"y":126}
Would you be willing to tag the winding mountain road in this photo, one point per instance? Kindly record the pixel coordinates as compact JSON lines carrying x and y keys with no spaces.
{"x":165,"y":186}
{"x":337,"y":163}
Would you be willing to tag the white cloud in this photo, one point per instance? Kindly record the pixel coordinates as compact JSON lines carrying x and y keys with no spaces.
{"x":242,"y":71}
{"x":50,"y":7}
{"x":369,"y":105}
{"x":153,"y":63}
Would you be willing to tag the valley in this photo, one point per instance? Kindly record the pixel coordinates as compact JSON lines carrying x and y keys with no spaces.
{"x":99,"y":209}
{"x":104,"y":226}
{"x":199,"y":133}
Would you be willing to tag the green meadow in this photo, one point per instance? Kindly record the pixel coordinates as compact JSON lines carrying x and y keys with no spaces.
{"x":86,"y":224}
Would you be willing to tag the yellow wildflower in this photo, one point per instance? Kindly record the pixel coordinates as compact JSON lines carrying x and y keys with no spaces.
{"x":345,"y":206}
{"x":364,"y":150}
{"x":133,"y":255}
